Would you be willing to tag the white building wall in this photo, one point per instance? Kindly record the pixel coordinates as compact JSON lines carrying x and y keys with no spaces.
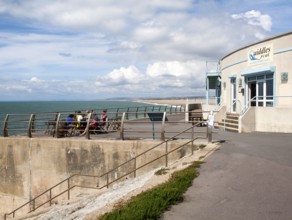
{"x":237,"y":62}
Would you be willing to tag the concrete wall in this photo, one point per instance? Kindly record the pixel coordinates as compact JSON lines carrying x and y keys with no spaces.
{"x":247,"y":121}
{"x":30,"y":166}
{"x":273,"y":120}
{"x":267,"y":120}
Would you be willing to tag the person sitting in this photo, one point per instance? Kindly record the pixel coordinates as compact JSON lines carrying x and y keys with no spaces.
{"x":94,"y":123}
{"x":69,"y":121}
{"x":103,"y":119}
{"x":79,"y":118}
{"x":67,"y":126}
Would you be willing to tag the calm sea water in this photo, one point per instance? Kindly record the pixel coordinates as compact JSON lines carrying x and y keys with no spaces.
{"x":62,"y":106}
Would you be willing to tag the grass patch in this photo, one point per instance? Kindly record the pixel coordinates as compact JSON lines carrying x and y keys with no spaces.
{"x":161,"y":171}
{"x":152,"y":203}
{"x":202,"y":146}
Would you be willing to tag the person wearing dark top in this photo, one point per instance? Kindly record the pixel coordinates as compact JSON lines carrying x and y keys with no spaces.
{"x":69,"y":121}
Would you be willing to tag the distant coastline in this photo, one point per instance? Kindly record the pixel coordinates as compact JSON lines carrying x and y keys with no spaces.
{"x":170,"y":101}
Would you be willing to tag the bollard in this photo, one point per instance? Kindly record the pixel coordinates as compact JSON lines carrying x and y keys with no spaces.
{"x":209,"y":134}
{"x":210,"y":126}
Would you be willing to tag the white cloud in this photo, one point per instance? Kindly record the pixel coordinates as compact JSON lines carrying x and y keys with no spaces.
{"x":34,"y":79}
{"x":256,"y":18}
{"x":174,"y":68}
{"x":159,"y":78}
{"x":122,"y":76}
{"x":130,"y":48}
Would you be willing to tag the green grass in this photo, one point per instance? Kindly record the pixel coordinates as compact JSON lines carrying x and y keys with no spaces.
{"x":152,"y":203}
{"x":202,"y":146}
{"x":161,"y":171}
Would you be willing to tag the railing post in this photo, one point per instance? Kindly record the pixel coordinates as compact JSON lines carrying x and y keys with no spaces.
{"x":163,"y":127}
{"x":137,"y":112}
{"x":122,"y":127}
{"x":87,"y":131}
{"x":117,"y":114}
{"x":207,"y":131}
{"x":107,"y":181}
{"x":32,"y":206}
{"x":166,"y":153}
{"x":193,"y":140}
{"x":29,"y":129}
{"x":145,"y":112}
{"x":69,"y":188}
{"x":57,"y":125}
{"x":5,"y":132}
{"x":135,"y":167}
{"x":50,"y":197}
{"x":209,"y":134}
{"x":127,"y":115}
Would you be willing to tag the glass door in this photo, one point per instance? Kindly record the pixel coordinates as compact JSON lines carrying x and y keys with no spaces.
{"x":233,"y":94}
{"x":253,"y":93}
{"x":260,"y":93}
{"x":261,"y":90}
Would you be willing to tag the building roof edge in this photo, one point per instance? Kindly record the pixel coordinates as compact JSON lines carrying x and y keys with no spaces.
{"x":267,"y":39}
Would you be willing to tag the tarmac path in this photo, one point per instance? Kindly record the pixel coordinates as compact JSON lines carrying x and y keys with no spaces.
{"x":248,"y":178}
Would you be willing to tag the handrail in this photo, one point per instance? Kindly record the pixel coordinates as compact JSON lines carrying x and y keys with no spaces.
{"x":244,"y":109}
{"x":273,"y":99}
{"x":106,"y":174}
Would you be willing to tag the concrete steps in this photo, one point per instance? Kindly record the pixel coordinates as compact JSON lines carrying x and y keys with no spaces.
{"x":230,"y":123}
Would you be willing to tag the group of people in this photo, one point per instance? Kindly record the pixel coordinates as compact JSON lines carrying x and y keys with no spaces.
{"x":80,"y":120}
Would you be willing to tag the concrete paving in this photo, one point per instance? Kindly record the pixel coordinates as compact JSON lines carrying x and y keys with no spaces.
{"x":248,"y":177}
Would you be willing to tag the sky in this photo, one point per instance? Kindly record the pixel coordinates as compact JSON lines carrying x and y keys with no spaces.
{"x":108,"y":49}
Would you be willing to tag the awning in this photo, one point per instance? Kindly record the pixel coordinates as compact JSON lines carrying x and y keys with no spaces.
{"x":259,"y":70}
{"x":232,"y":76}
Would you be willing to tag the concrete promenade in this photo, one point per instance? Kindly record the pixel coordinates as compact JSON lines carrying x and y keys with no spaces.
{"x":248,"y":177}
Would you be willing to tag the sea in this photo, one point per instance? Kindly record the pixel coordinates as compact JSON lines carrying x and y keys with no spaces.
{"x":30,"y":107}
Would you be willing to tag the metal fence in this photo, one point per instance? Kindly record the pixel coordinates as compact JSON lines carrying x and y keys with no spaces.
{"x":54,"y":124}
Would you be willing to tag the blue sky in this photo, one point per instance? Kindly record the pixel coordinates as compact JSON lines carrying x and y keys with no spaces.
{"x":98,"y":49}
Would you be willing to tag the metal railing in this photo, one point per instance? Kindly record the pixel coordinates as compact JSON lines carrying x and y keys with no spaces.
{"x":108,"y":177}
{"x":52,"y":125}
{"x":247,"y":106}
{"x":267,"y":101}
{"x":52,"y":122}
{"x":19,"y":123}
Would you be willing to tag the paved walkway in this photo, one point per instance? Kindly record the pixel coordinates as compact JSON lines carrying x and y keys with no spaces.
{"x":248,"y":177}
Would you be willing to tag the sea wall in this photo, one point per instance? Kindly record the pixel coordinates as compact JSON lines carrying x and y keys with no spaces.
{"x":29,"y":166}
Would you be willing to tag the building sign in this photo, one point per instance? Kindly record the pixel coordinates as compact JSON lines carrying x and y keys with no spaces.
{"x":260,"y":55}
